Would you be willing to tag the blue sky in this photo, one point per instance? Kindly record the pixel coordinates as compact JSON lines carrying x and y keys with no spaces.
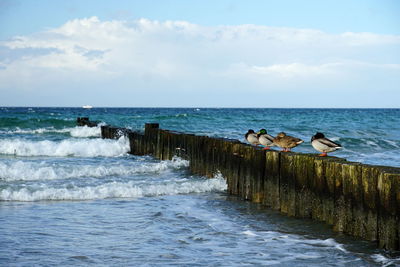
{"x":200,"y":53}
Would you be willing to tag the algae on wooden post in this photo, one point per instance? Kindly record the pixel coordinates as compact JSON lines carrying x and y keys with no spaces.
{"x":252,"y":173}
{"x":272,"y":180}
{"x":304,"y":177}
{"x":318,"y":188}
{"x":352,"y":191}
{"x":234,"y":167}
{"x":243,"y":172}
{"x":370,"y":202}
{"x":389,"y":210}
{"x":257,"y":179}
{"x":230,"y":170}
{"x":287,"y":190}
{"x":331,"y":172}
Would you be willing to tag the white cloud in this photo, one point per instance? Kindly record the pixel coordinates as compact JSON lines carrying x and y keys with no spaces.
{"x":296,"y":69}
{"x":365,"y":38}
{"x":178,"y":56}
{"x":318,"y":71}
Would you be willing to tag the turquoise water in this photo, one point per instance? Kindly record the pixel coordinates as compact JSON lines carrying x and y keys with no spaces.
{"x":68,"y":197}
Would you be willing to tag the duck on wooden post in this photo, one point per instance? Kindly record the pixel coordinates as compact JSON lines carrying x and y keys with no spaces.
{"x":252,"y":138}
{"x":287,"y":142}
{"x":323,"y":144}
{"x":265,"y":139}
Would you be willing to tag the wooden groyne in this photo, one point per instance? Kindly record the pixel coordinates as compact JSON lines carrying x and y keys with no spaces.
{"x":84,"y":121}
{"x":357,"y":199}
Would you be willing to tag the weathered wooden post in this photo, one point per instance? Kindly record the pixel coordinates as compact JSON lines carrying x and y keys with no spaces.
{"x":304,"y":178}
{"x":272,"y":180}
{"x":389,"y":209}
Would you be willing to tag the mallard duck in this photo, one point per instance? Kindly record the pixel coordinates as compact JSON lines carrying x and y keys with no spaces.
{"x":287,"y":142}
{"x":324,"y":145}
{"x":251,"y":137}
{"x":265,"y":139}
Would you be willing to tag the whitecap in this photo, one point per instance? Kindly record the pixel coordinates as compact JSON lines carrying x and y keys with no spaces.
{"x":32,"y":170}
{"x":249,"y":233}
{"x":78,"y":131}
{"x":70,"y":147}
{"x":112,"y":190}
{"x":85,"y":131}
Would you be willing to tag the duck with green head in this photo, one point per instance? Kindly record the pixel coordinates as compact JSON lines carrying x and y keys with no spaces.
{"x":265,"y":139}
{"x":323,"y":144}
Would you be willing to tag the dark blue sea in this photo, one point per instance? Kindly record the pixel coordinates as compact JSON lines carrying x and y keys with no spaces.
{"x":70,"y":198}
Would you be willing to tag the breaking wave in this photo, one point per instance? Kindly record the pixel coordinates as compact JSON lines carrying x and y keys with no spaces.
{"x":113,"y":190}
{"x":66,"y":148}
{"x":32,"y":171}
{"x":78,"y":131}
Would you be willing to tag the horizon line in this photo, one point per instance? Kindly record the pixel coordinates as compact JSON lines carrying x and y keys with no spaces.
{"x":199,"y":107}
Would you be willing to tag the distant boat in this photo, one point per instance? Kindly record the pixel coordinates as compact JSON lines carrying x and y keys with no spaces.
{"x":86,"y":106}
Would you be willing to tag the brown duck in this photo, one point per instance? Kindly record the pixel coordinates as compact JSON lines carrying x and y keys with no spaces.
{"x":286,"y":142}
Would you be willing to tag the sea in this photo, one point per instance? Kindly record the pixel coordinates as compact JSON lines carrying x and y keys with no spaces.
{"x":70,"y":198}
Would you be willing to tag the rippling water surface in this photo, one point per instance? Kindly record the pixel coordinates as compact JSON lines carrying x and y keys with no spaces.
{"x":68,"y":197}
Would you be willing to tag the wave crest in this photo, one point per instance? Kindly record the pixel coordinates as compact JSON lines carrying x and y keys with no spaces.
{"x":32,"y":171}
{"x":78,"y":131}
{"x":66,"y":148}
{"x":113,"y":190}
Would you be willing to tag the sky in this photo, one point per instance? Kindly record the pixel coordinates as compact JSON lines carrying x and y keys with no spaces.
{"x":200,"y":53}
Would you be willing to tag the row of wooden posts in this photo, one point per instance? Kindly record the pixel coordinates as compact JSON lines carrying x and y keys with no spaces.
{"x":357,"y":199}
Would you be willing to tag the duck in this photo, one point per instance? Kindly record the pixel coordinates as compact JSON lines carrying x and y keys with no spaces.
{"x":323,"y":144}
{"x":265,"y":139}
{"x":286,"y":142}
{"x":251,"y":137}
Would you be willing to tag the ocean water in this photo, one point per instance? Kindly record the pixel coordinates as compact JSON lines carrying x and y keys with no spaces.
{"x":68,"y":197}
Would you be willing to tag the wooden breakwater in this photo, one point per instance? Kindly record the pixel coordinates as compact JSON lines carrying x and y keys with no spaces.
{"x":84,"y":121}
{"x":356,"y":199}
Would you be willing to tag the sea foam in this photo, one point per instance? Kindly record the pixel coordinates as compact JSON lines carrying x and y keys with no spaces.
{"x":78,"y":131}
{"x":66,"y":148}
{"x":385,"y":261}
{"x":112,"y":190}
{"x":85,"y":131}
{"x":33,"y":170}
